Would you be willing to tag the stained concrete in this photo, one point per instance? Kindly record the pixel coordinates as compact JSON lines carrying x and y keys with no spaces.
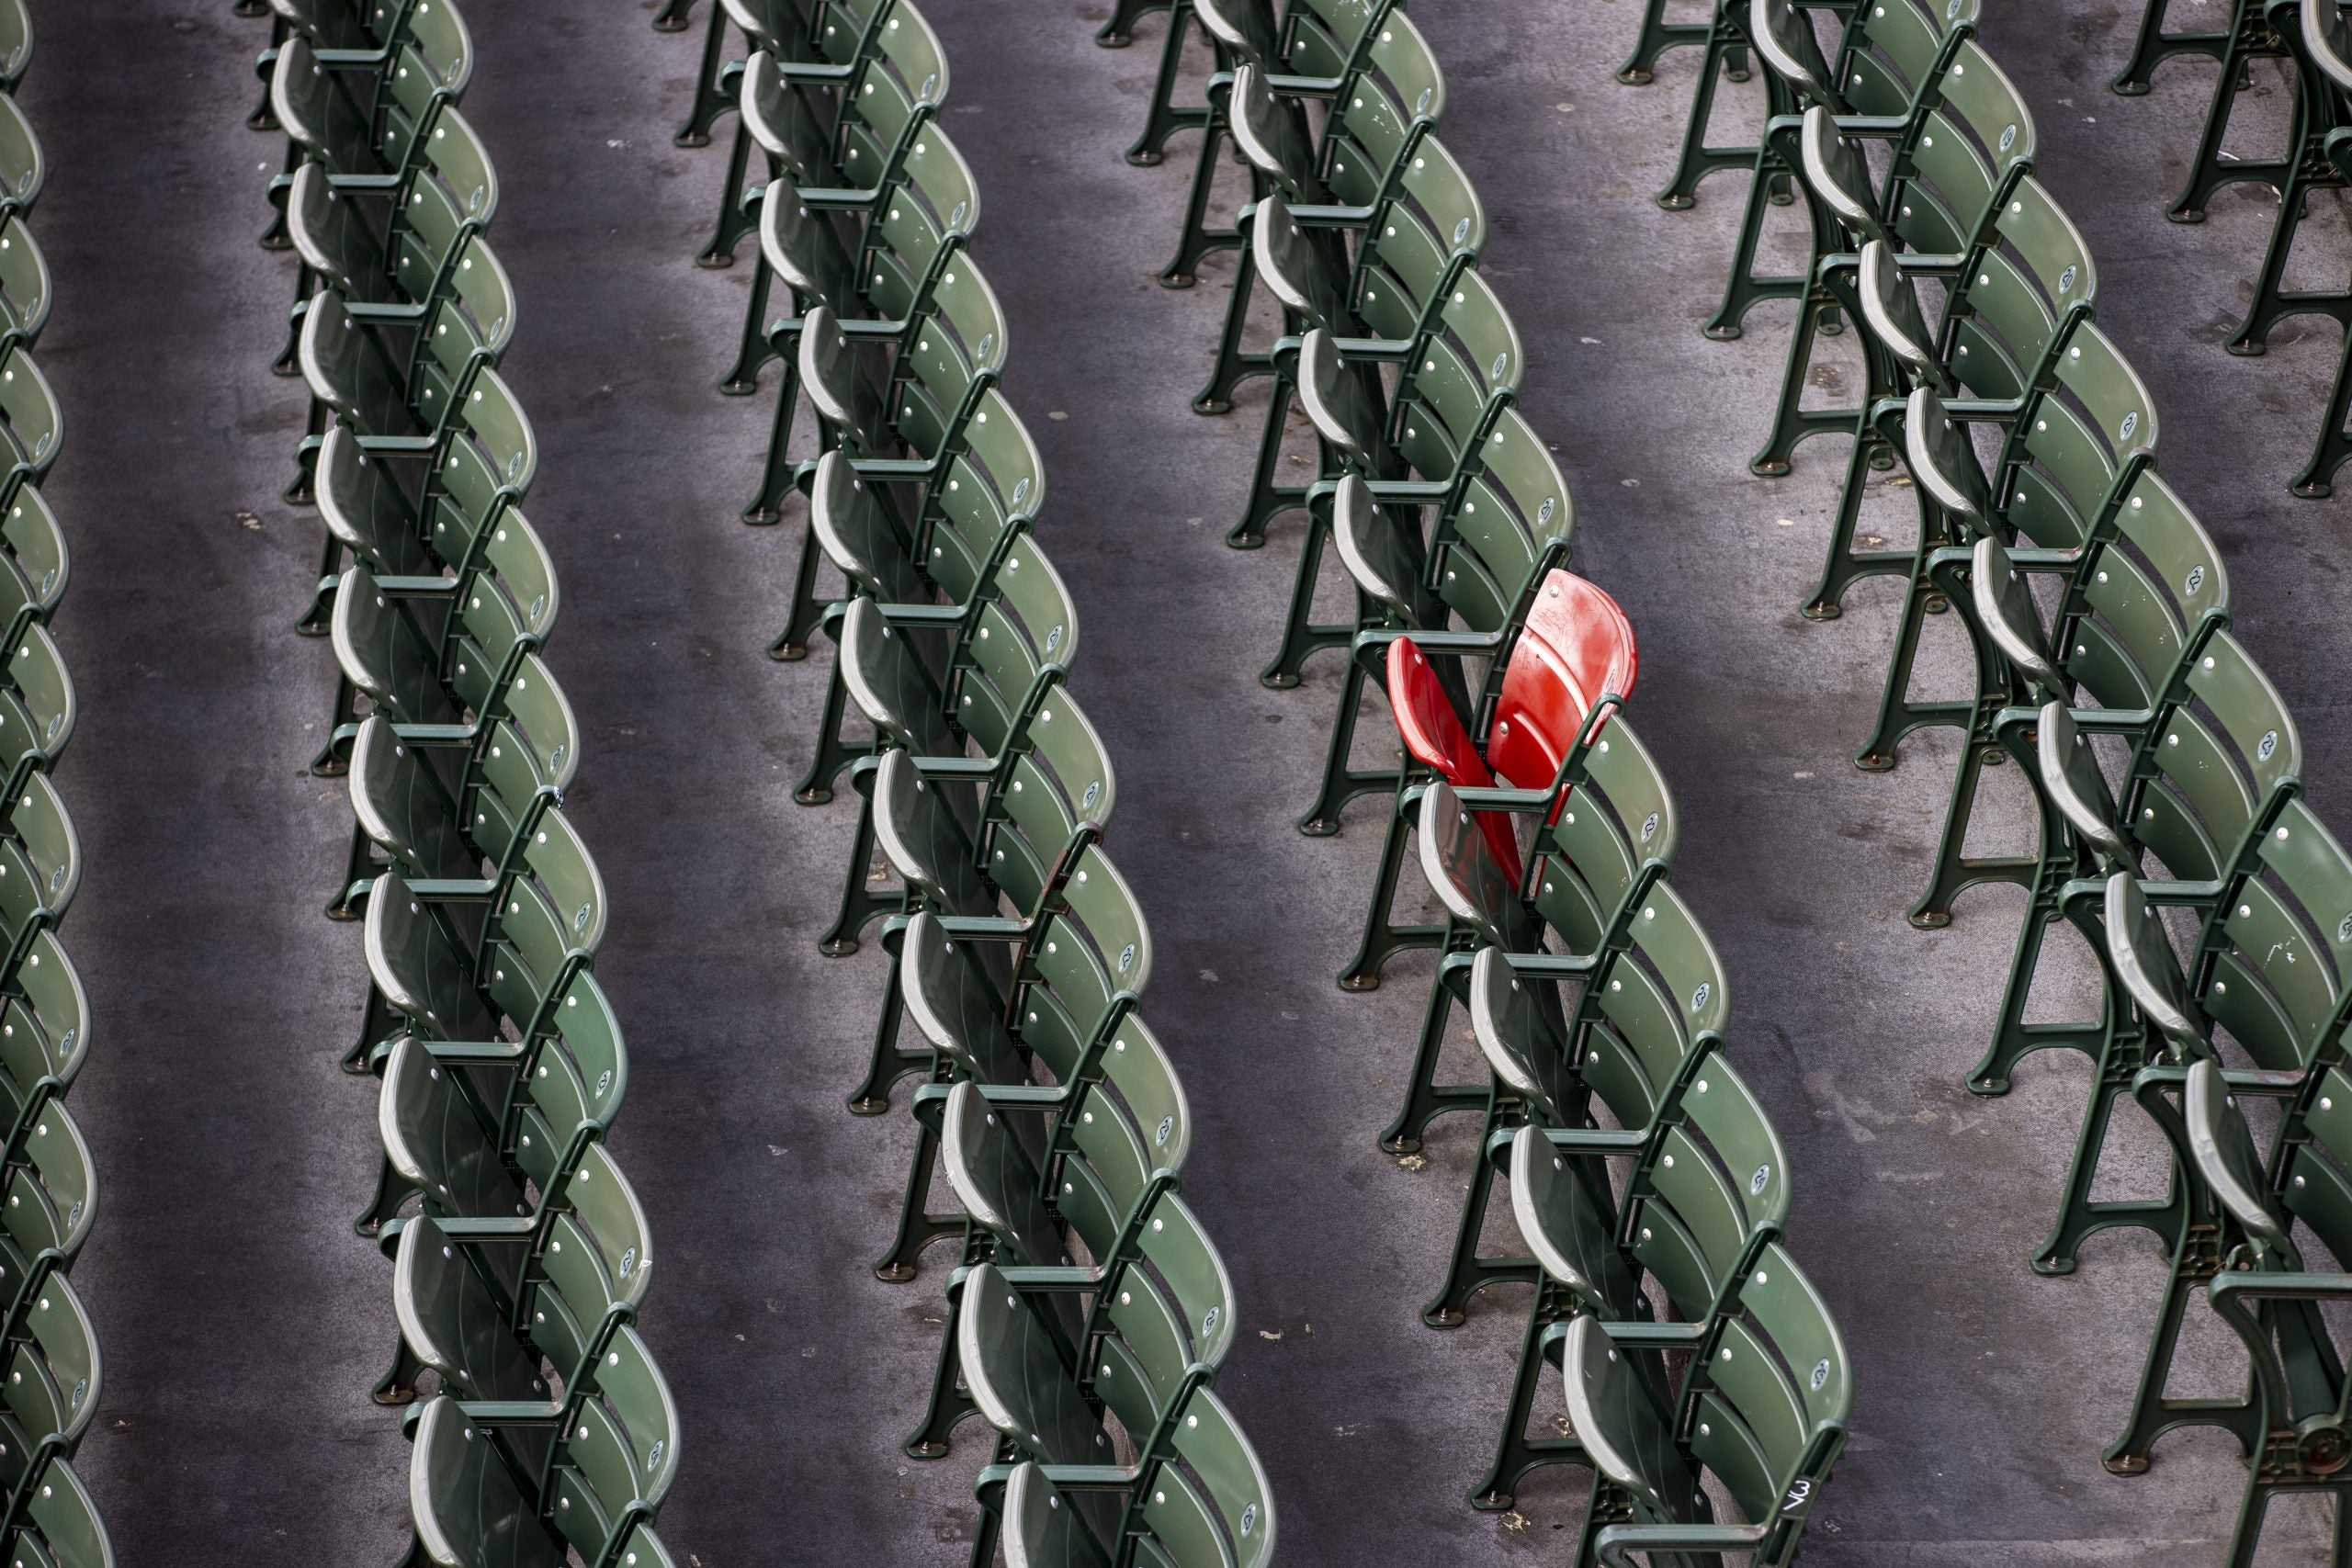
{"x":242,"y":1322}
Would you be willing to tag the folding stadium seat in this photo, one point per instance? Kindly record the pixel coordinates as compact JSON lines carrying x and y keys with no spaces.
{"x":409,"y":391}
{"x":1481,"y":567}
{"x":899,"y":230}
{"x":23,"y":169}
{"x":876,"y":290}
{"x":58,"y":1526}
{"x":41,"y":867}
{"x":450,"y":686}
{"x":951,"y":818}
{"x":1550,"y":680}
{"x":1607,"y":830}
{"x":786,"y":29}
{"x":543,"y":917}
{"x":1044,"y":1171}
{"x":371,"y":124}
{"x":887,"y":100}
{"x":388,"y":245}
{"x":2079,"y":514}
{"x":2023,"y":299}
{"x":442,"y":805}
{"x":488,"y":1305}
{"x":405,"y":508}
{"x":991,"y":994}
{"x":44,"y":1039}
{"x":53,"y":1197}
{"x":31,"y":425}
{"x":1761,"y":1414}
{"x":2271,"y":978}
{"x":493,"y":1134}
{"x":2142,"y":593}
{"x":925,"y":288}
{"x":941,"y":408}
{"x":937,"y":679}
{"x":2067,"y":453}
{"x":1430,"y":225}
{"x":15,"y":42}
{"x":1315,"y":51}
{"x":1503,"y":528}
{"x":1892,"y":56}
{"x":524,"y":1491}
{"x":1160,"y":1327}
{"x":55,"y":1376}
{"x":1223,"y":1517}
{"x":462,"y":625}
{"x":1707,"y":1194}
{"x":1953,"y":196}
{"x":347,"y":35}
{"x":2009,"y":323}
{"x":37,"y":708}
{"x":2293,"y":1419}
{"x":34,"y":563}
{"x":1649,"y":991}
{"x":24,"y":290}
{"x":1458,"y":372}
{"x":2205,"y":794}
{"x":1384,"y":99}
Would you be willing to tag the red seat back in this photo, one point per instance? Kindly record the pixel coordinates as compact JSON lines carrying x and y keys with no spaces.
{"x":1577,"y":645}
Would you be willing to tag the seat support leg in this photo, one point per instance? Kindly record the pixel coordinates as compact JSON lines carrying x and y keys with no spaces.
{"x":1382,"y":937}
{"x":711,"y":97}
{"x":1518,"y":1454}
{"x":1426,"y":1099}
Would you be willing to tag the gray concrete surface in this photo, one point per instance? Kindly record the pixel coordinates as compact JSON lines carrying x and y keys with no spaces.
{"x":243,"y":1323}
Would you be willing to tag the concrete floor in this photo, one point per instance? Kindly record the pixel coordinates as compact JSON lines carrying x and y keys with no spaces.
{"x":242,"y":1321}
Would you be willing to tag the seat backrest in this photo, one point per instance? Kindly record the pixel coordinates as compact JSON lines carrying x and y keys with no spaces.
{"x":1082,"y":956}
{"x":23,"y":169}
{"x":55,"y":1375}
{"x":1667,"y":985}
{"x":1466,"y":366}
{"x":2150,"y":590}
{"x":1385,"y":104}
{"x":959,"y":351}
{"x":1209,"y":1505}
{"x":1893,"y":48}
{"x":1773,"y":1390}
{"x":1616,"y":829}
{"x":24,"y":287}
{"x":1059,"y":784}
{"x":2210,"y":772}
{"x":892,"y":95}
{"x":1576,"y":647}
{"x":53,"y":1199}
{"x":618,"y":1454}
{"x":45,"y":1034}
{"x":41,"y":855}
{"x":62,"y":1528}
{"x":2066,"y":458}
{"x":34,"y":423}
{"x":2022,"y":285}
{"x":2278,"y":943}
{"x":464,"y":1496}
